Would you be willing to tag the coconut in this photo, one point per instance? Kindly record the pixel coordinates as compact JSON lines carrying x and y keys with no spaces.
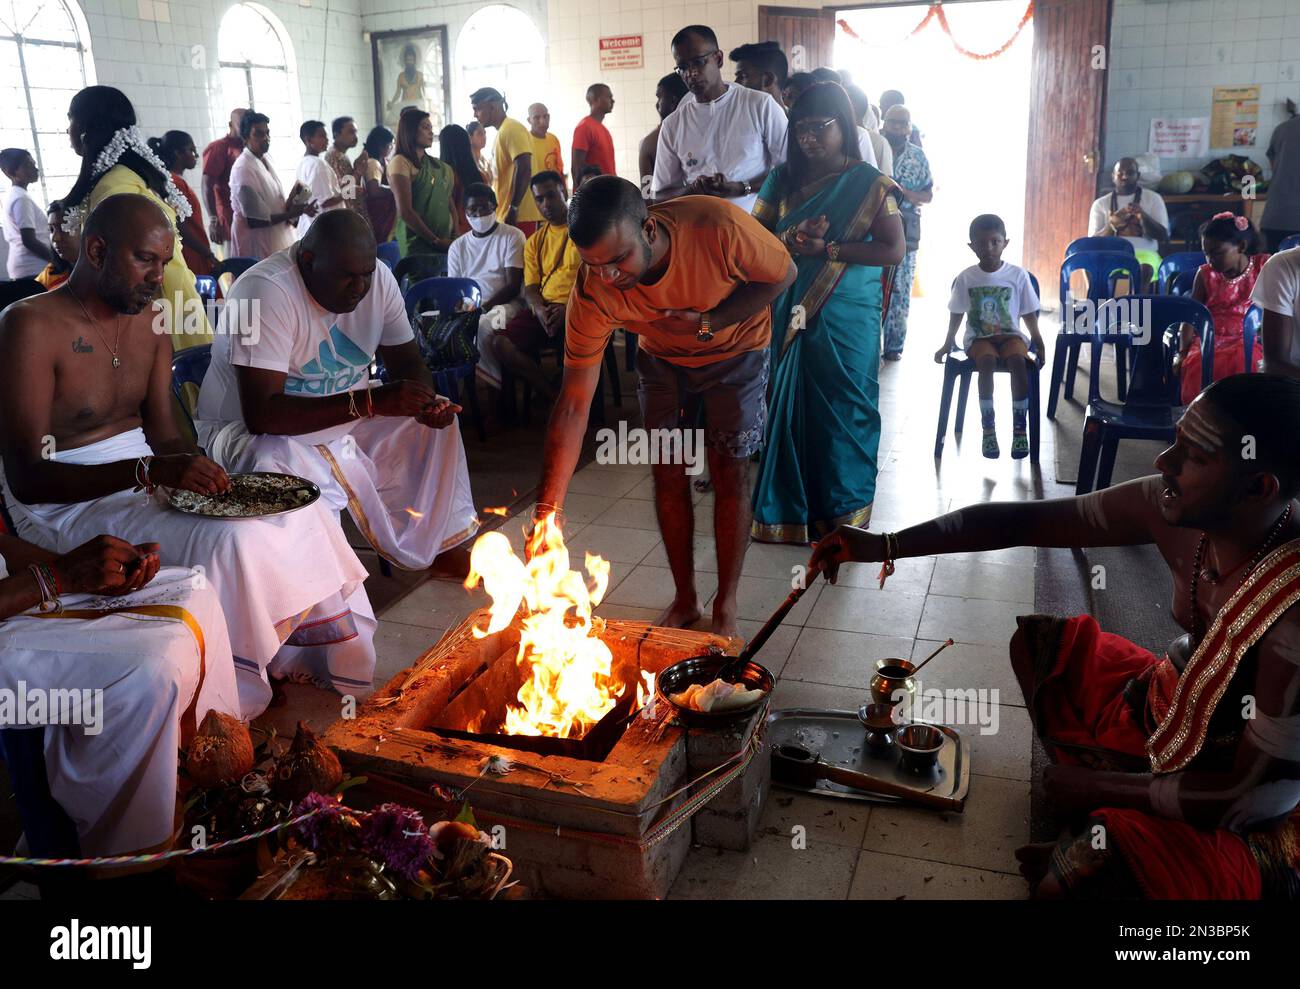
{"x":221,"y":752}
{"x":307,"y":767}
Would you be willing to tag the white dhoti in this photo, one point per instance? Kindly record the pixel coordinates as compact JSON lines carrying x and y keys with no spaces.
{"x":121,"y":682}
{"x":405,"y":485}
{"x":490,"y":323}
{"x":286,"y":583}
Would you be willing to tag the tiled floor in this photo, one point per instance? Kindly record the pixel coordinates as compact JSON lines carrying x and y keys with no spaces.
{"x":824,"y":651}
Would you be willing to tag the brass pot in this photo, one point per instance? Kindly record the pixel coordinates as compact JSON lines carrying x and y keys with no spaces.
{"x":892,"y":676}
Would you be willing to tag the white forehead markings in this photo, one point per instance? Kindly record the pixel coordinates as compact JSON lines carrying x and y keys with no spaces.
{"x":1200,"y":430}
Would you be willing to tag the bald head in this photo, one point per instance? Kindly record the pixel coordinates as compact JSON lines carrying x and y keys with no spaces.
{"x":337,"y":260}
{"x":897,"y":126}
{"x":125,"y":244}
{"x":539,"y":121}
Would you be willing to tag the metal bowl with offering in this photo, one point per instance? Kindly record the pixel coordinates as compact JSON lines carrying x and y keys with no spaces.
{"x":879,"y":722}
{"x":254,"y":495}
{"x":918,"y":746}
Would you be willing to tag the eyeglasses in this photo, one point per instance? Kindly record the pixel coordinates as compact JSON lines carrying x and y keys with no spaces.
{"x":813,"y":128}
{"x":694,"y":64}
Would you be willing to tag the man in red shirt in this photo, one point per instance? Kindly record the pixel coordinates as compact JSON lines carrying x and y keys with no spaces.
{"x":592,"y":144}
{"x":218,"y":158}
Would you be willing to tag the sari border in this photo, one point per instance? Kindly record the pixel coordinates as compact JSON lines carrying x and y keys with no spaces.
{"x":803,"y":533}
{"x":1242,"y":622}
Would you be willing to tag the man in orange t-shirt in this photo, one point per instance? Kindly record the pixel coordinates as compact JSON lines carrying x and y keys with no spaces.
{"x":695,"y":277}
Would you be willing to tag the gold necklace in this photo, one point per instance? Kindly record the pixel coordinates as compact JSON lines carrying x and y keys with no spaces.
{"x":118,"y":340}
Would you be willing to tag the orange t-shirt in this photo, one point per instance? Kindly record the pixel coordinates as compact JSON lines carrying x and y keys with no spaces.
{"x":714,"y":248}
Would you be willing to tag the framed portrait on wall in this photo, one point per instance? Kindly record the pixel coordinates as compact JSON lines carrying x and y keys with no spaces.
{"x":411,"y":69}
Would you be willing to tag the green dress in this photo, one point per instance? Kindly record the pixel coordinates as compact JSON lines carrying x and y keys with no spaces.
{"x":432,"y":190}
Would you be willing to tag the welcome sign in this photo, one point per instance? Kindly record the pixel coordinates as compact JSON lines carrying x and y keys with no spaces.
{"x":623,"y":52}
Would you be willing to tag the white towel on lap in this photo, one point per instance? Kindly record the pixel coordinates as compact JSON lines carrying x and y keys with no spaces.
{"x":118,"y":784}
{"x":270,"y":574}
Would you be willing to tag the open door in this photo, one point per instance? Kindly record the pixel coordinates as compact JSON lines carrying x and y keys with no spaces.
{"x":806,"y":35}
{"x":1066,"y":115}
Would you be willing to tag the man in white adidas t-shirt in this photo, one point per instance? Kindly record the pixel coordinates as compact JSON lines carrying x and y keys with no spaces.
{"x":1277,"y":293}
{"x":289,"y":390}
{"x":722,"y":139}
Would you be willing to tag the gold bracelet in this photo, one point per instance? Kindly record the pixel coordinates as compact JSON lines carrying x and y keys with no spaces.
{"x":352,"y":405}
{"x":833,"y":250}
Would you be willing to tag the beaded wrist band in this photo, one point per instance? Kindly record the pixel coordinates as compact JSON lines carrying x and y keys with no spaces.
{"x":891,"y":553}
{"x":142,"y":482}
{"x":48,"y":585}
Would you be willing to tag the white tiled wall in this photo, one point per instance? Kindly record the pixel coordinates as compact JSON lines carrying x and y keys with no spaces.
{"x":1166,"y":58}
{"x":153,"y":61}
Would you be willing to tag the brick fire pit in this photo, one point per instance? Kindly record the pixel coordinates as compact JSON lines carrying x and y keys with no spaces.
{"x":576,"y":817}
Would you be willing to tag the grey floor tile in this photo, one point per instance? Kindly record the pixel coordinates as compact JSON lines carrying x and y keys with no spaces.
{"x":771,"y":870}
{"x":895,"y":877}
{"x":989,"y":623}
{"x":843,"y":659}
{"x":823,"y":819}
{"x":858,"y":609}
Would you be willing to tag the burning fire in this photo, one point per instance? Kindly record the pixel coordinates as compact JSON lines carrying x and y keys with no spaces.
{"x":570,"y":683}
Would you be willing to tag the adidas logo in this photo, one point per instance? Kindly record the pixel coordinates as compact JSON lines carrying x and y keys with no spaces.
{"x":339,"y":365}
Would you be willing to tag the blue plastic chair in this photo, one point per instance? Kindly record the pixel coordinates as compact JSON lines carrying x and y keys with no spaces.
{"x":206,"y":286}
{"x":1149,"y":411}
{"x":1289,"y":242}
{"x":1175,"y":265}
{"x":1182,"y":283}
{"x":958,"y":366}
{"x":1102,"y":269}
{"x":389,"y":253}
{"x":188,"y":368}
{"x":415,"y":267}
{"x":445,"y":295}
{"x":233,"y":267}
{"x":1250,"y":327}
{"x":1098,"y":244}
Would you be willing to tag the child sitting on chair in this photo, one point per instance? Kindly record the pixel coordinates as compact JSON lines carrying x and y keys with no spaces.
{"x":995,"y":296}
{"x":1223,"y":285}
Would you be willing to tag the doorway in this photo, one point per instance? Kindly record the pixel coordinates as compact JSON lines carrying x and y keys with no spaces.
{"x":973,"y":115}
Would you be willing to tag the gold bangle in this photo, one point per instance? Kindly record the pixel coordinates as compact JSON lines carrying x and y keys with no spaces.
{"x":833,"y":250}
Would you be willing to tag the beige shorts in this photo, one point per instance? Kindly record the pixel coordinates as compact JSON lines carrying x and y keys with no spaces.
{"x":1002,"y":346}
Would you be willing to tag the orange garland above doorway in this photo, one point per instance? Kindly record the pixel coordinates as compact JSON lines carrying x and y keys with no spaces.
{"x":935,"y":13}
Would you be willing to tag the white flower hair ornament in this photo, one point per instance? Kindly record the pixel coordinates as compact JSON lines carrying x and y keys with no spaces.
{"x":123,"y":140}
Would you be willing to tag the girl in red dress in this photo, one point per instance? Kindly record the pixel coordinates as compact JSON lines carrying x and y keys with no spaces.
{"x":1223,"y":285}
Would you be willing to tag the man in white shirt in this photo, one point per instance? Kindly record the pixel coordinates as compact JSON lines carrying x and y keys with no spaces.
{"x":491,"y":254}
{"x":722,"y":139}
{"x":27,"y":232}
{"x":1277,"y":293}
{"x":289,"y":390}
{"x":1136,"y":214}
{"x":316,"y":175}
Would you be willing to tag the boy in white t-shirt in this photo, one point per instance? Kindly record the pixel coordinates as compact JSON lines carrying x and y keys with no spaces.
{"x":994,"y":296}
{"x":26,"y":231}
{"x":1277,"y":293}
{"x":491,"y":254}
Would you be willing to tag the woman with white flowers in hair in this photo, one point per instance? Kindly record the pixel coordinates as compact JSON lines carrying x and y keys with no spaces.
{"x":116,"y":159}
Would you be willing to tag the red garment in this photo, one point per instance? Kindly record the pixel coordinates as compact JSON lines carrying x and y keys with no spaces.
{"x":593,"y":137}
{"x":1079,"y":701}
{"x":218,"y":159}
{"x":1227,"y":299}
{"x":194,"y":227}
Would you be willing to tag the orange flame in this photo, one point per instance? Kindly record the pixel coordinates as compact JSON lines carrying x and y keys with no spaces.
{"x":414,"y":514}
{"x":496,"y":511}
{"x":570,"y":684}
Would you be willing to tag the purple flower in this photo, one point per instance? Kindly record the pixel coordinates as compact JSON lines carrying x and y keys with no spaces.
{"x":396,"y":836}
{"x":318,"y":832}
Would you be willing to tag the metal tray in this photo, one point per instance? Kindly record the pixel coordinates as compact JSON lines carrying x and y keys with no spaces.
{"x":840,"y":739}
{"x":302,"y":484}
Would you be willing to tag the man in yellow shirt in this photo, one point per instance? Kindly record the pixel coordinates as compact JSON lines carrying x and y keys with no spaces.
{"x":550,"y":267}
{"x":513,"y":158}
{"x":547,"y":156}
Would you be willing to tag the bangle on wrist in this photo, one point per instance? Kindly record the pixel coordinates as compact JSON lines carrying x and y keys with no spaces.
{"x":833,"y":250}
{"x":891,"y":553}
{"x":353,"y":413}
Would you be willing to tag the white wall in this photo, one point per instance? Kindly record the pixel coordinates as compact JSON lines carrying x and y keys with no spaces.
{"x":1166,"y":58}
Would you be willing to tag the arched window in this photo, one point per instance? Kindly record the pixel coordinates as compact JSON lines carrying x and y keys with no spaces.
{"x":516,"y":67}
{"x":258,"y":72}
{"x":44,"y":60}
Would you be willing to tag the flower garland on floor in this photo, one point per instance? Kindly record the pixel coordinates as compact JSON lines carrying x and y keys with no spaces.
{"x":123,"y":140}
{"x":936,"y":13}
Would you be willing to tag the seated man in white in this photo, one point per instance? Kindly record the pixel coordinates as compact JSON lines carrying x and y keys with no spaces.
{"x":491,"y":254}
{"x":87,"y":413}
{"x":291,"y":392}
{"x":119,"y":684}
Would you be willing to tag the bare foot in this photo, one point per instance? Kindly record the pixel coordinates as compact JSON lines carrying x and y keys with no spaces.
{"x":681,"y":614}
{"x":724,"y":621}
{"x":1034,"y":860}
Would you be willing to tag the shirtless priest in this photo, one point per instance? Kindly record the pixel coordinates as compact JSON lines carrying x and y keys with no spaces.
{"x":86,"y":422}
{"x":1188,"y":763}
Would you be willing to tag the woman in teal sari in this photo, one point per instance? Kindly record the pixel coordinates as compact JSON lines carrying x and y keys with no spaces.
{"x":839,"y":218}
{"x":426,"y":191}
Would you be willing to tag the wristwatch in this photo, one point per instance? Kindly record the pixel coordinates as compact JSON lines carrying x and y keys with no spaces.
{"x":704,"y":334}
{"x":749,"y":189}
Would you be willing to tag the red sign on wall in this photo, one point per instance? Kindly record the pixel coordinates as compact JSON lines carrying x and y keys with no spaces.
{"x":622,"y":52}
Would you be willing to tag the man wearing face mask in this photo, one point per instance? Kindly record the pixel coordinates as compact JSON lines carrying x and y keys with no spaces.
{"x":491,"y":254}
{"x":289,"y":390}
{"x":722,"y":139}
